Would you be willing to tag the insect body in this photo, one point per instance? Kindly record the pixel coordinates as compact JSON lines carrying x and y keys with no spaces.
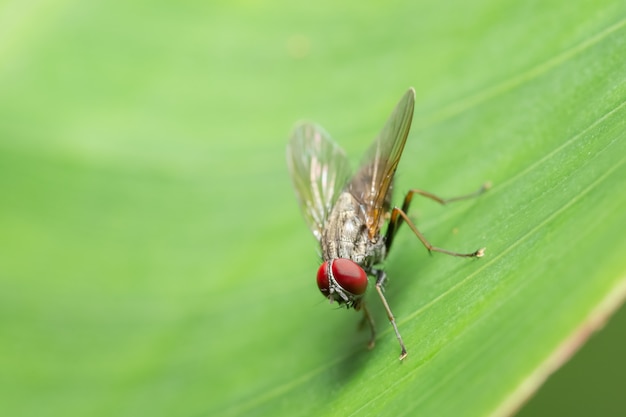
{"x":346,"y":213}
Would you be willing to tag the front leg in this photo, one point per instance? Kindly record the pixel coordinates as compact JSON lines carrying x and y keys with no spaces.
{"x":367,"y":318}
{"x":381,"y":276}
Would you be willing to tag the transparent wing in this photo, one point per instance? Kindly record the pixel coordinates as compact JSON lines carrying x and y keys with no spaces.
{"x":319,"y":170}
{"x":372,"y":183}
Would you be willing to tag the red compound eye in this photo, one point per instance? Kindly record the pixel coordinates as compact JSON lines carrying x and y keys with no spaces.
{"x":322,"y":279}
{"x":349,"y":275}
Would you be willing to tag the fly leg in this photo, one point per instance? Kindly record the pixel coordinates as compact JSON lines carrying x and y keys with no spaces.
{"x":381,"y":276}
{"x":367,"y":317}
{"x":398,"y":216}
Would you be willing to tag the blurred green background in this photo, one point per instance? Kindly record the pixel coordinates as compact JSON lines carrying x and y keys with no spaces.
{"x":152,"y":257}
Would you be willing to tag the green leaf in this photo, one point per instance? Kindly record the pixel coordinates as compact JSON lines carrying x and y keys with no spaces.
{"x":152,"y":257}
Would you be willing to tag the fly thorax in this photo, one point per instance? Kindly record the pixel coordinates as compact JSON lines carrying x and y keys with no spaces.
{"x":345,"y":233}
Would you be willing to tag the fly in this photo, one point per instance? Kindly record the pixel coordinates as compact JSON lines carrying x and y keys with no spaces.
{"x":346,"y":213}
